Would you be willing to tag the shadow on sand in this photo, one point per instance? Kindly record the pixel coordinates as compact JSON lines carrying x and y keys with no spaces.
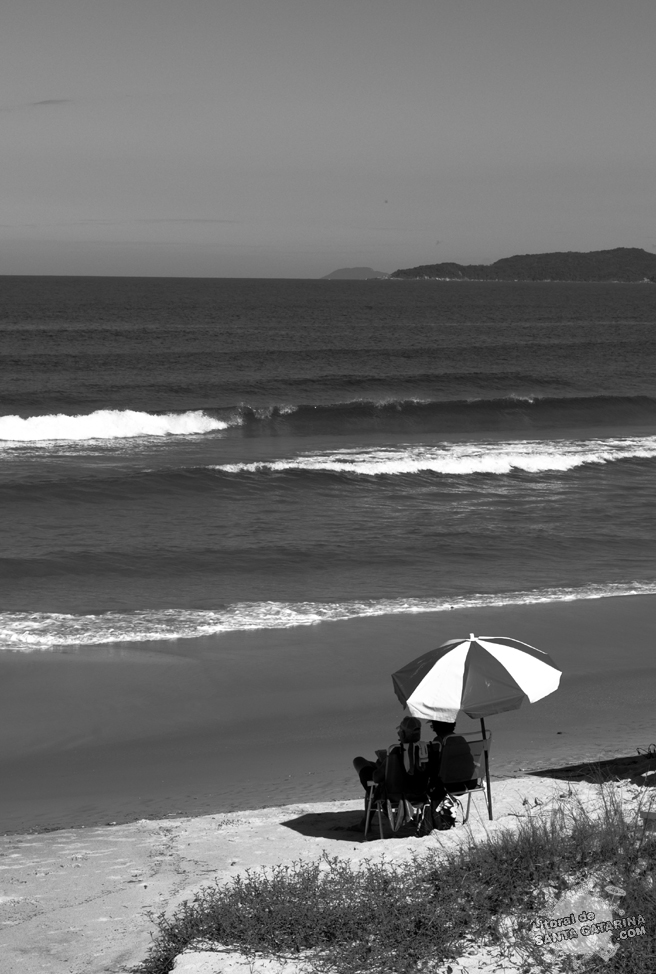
{"x":640,"y":769}
{"x":341,"y":826}
{"x":345,"y":826}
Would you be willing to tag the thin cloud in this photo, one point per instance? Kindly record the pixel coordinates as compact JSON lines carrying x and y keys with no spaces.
{"x":351,"y":226}
{"x":119,"y":223}
{"x":184,"y":219}
{"x":43,"y":103}
{"x":154,"y":219}
{"x":52,"y":101}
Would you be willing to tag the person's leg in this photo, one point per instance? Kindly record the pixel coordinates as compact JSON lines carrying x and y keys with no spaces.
{"x":365,"y":770}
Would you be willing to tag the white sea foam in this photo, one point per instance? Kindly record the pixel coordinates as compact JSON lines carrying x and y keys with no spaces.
{"x":105,"y":424}
{"x":532,"y":456}
{"x":29,"y":632}
{"x":268,"y":412}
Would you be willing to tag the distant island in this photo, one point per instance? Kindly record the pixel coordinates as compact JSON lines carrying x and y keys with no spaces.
{"x":626,"y":264}
{"x":355,"y":274}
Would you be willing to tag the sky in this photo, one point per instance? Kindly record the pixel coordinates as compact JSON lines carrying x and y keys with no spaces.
{"x":288,"y":138}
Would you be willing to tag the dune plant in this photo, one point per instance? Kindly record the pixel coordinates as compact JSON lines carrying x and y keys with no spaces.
{"x":376,"y":917}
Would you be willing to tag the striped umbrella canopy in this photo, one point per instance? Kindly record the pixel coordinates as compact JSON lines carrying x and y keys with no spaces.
{"x":481,"y":675}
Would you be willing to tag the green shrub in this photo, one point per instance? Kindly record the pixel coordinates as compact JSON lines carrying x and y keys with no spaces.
{"x":395,"y":919}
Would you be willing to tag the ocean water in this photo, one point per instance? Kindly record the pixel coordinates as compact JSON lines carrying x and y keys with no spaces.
{"x":186,"y":457}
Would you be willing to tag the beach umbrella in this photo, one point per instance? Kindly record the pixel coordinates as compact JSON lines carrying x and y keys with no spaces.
{"x":480,"y":675}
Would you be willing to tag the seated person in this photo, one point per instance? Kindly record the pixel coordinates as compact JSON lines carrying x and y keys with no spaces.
{"x":409,"y":731}
{"x":458,"y":750}
{"x":441,"y":729}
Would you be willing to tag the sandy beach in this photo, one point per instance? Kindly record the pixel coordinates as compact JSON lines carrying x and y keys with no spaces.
{"x":75,"y":901}
{"x":126,"y":770}
{"x":252,"y":719}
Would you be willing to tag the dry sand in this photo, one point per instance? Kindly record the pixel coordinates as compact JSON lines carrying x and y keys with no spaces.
{"x":74,"y":901}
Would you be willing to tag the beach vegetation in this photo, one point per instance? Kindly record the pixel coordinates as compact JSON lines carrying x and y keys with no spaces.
{"x":377,"y":917}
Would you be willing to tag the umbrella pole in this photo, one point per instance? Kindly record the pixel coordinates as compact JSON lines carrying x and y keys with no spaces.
{"x":487,"y":773}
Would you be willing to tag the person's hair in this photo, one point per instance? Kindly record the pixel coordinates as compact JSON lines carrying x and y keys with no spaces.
{"x":443,"y":727}
{"x":410,"y":730}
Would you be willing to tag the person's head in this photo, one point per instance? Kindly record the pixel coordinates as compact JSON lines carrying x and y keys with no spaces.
{"x":442,"y":727}
{"x":409,"y":730}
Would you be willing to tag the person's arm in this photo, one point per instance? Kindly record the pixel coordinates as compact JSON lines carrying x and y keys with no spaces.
{"x":434,"y":756}
{"x":379,"y":771}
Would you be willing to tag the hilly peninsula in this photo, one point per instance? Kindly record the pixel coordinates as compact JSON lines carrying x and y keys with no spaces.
{"x":354,"y":274}
{"x":625,"y":264}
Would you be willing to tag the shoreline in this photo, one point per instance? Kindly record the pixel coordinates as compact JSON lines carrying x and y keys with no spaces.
{"x":124,"y":732}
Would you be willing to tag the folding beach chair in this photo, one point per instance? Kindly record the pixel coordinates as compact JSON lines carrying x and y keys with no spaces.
{"x":464,"y":767}
{"x":401,"y":797}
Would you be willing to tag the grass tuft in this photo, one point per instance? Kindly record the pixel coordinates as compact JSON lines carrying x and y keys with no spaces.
{"x":378,"y":917}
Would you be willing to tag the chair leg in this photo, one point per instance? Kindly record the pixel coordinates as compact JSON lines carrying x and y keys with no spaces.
{"x":380,"y":820}
{"x":488,"y":794}
{"x":469,"y":794}
{"x":370,"y":797}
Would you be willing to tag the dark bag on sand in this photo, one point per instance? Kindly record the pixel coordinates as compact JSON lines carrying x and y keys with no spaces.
{"x":437,"y":816}
{"x":443,"y":814}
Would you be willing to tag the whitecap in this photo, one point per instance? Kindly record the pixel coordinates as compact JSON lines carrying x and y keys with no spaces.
{"x":39,"y":631}
{"x":106,"y":424}
{"x":462,"y":459}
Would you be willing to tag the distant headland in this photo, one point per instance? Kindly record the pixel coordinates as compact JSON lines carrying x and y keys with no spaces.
{"x":355,"y":274}
{"x":624,"y":264}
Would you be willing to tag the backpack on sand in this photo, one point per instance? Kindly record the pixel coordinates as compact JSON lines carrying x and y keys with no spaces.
{"x":443,"y":814}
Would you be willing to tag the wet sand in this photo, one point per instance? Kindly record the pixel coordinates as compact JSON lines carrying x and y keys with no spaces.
{"x":253,"y":719}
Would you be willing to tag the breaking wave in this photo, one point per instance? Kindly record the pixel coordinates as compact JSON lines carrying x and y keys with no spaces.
{"x":37,"y":631}
{"x":107,"y":424}
{"x":531,"y":456}
{"x":473,"y":415}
